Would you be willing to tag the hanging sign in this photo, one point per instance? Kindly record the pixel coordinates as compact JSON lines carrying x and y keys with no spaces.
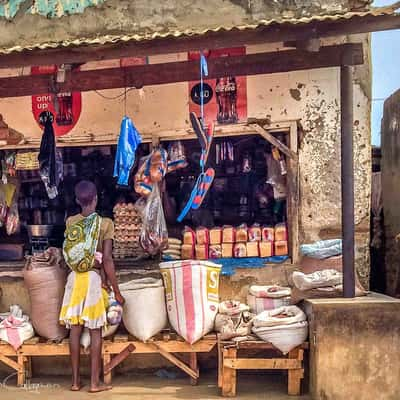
{"x":224,"y":98}
{"x":65,"y":107}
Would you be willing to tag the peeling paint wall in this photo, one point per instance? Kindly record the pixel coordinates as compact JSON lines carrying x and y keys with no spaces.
{"x":312,"y":97}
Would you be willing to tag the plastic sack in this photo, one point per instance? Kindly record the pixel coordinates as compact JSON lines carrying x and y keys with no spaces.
{"x":232,"y":307}
{"x":12,"y":222}
{"x":45,"y":278}
{"x":285,"y":338}
{"x":322,"y":249}
{"x":280,"y":316}
{"x":192,"y":294}
{"x":15,"y":327}
{"x":234,"y":326}
{"x":271,"y":291}
{"x":154,"y":234}
{"x":318,"y":279}
{"x":259,"y":304}
{"x":144,"y":312}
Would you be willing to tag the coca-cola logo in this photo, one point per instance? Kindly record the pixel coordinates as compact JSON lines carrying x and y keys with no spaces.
{"x":195,"y":93}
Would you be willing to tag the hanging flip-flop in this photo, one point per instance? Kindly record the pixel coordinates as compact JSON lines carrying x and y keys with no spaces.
{"x":199,"y":191}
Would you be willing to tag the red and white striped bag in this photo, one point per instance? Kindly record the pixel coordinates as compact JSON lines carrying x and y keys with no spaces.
{"x":192,"y":296}
{"x":259,"y":304}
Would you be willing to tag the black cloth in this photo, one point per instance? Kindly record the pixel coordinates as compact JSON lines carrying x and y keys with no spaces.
{"x":47,"y":154}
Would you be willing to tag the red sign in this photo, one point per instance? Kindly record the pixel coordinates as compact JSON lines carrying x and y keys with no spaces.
{"x":66,"y":107}
{"x":225,"y":98}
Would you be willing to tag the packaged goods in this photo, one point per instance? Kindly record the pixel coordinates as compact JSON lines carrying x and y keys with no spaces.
{"x":202,"y":236}
{"x":201,"y":252}
{"x":227,"y":250}
{"x":174,"y":241}
{"x":255,"y":233}
{"x":187,"y":252}
{"x":216,"y":236}
{"x":45,"y":278}
{"x":228,"y":234}
{"x":215,"y":251}
{"x":241,"y":233}
{"x":239,"y":250}
{"x":281,"y":232}
{"x":268,"y":234}
{"x":266,"y":249}
{"x":281,"y":248}
{"x":192,"y":295}
{"x":189,"y":236}
{"x":252,"y":249}
{"x":144,"y":312}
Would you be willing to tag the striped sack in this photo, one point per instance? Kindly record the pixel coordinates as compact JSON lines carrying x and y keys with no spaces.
{"x":259,"y":304}
{"x":192,"y":296}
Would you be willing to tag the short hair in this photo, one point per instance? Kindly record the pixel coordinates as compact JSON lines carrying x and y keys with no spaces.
{"x":85,"y":193}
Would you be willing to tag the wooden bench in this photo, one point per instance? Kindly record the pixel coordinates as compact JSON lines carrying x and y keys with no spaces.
{"x":229,"y":363}
{"x":165,"y":344}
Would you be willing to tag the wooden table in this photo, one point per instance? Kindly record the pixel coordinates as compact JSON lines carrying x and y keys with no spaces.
{"x":167,"y":345}
{"x":229,"y":363}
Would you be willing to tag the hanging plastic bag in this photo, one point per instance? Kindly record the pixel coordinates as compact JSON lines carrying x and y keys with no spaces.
{"x":322,"y":249}
{"x":12,"y":222}
{"x":154,"y":235}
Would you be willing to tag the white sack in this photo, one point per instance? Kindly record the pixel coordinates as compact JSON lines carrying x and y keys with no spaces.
{"x":270,"y":291}
{"x":318,"y":279}
{"x":280,"y":316}
{"x":259,"y":304}
{"x":144,"y":312}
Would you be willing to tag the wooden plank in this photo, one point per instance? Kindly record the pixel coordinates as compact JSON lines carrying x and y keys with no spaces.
{"x":174,"y":360}
{"x":107,"y":374}
{"x":11,"y":363}
{"x":21,"y":370}
{"x":274,"y":141}
{"x":212,"y":40}
{"x":118,"y":358}
{"x":262,"y":363}
{"x":229,"y":375}
{"x":184,"y":71}
{"x":295,"y":375}
{"x":194,"y":367}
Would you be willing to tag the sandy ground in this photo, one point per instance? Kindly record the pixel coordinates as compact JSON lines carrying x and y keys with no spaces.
{"x":271,"y":387}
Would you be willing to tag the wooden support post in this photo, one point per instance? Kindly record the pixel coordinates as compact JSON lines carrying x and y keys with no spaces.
{"x":229,"y":374}
{"x":348,"y":224}
{"x":295,"y":375}
{"x":220,"y":361}
{"x":194,"y":367}
{"x":28,"y":367}
{"x":21,"y":370}
{"x":106,"y":362}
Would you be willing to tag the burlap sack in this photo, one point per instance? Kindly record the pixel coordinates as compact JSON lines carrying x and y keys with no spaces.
{"x":45,"y":277}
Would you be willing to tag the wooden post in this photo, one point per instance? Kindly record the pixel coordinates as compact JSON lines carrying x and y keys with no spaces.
{"x":295,"y":375}
{"x":228,"y":374}
{"x":108,"y":375}
{"x":348,"y":224}
{"x":21,"y":370}
{"x":194,"y":366}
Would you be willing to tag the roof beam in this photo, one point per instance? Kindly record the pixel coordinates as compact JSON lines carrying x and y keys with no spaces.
{"x":276,"y":32}
{"x":157,"y":74}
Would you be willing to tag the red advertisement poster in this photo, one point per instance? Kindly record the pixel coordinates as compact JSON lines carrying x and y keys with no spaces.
{"x":66,"y":107}
{"x":225,"y":98}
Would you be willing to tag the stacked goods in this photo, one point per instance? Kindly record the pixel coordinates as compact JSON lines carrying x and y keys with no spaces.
{"x":262,"y":298}
{"x":45,"y":277}
{"x":189,"y":242}
{"x":284,"y":327}
{"x":174,"y":250}
{"x":27,"y":160}
{"x":128,"y":225}
{"x":144,"y":312}
{"x":192,"y":296}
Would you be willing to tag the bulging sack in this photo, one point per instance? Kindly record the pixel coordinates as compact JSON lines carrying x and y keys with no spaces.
{"x":259,"y":304}
{"x":144,"y":312}
{"x":45,"y":278}
{"x":192,"y":295}
{"x":280,"y":316}
{"x":271,"y":291}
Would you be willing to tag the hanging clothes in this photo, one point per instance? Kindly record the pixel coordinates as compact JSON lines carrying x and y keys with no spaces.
{"x":128,"y":142}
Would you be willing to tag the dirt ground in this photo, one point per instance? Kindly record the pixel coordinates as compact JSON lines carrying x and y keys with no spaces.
{"x":146,"y":386}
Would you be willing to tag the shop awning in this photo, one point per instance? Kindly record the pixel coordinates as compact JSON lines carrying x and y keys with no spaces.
{"x":171,"y":41}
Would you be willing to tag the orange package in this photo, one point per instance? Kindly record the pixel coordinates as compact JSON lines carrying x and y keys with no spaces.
{"x":202,"y":236}
{"x":281,"y":248}
{"x":255,"y":233}
{"x":228,"y":234}
{"x":266,"y":249}
{"x":216,"y":235}
{"x":281,"y":232}
{"x":227,"y":250}
{"x":189,"y":237}
{"x":241,"y":233}
{"x":252,"y":249}
{"x":240,"y":250}
{"x":268,"y":234}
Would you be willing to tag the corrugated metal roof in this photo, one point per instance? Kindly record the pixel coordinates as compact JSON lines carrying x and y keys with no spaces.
{"x":110,"y":39}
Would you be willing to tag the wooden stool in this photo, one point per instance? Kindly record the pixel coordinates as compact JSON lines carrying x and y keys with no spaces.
{"x":229,"y":363}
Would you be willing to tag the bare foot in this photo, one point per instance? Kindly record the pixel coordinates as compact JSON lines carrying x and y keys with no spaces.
{"x":99,"y":388}
{"x":76,"y":387}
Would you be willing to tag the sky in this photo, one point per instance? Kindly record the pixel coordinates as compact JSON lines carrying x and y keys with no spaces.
{"x":385,"y":71}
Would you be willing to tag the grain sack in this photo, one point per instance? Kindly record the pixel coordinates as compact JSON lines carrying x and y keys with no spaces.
{"x":259,"y":304}
{"x":280,"y":316}
{"x":284,"y":337}
{"x":192,"y":294}
{"x":144,"y":312}
{"x":45,"y":277}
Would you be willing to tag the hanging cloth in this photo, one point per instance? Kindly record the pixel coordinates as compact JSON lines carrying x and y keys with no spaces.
{"x":128,"y":142}
{"x":47,"y":154}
